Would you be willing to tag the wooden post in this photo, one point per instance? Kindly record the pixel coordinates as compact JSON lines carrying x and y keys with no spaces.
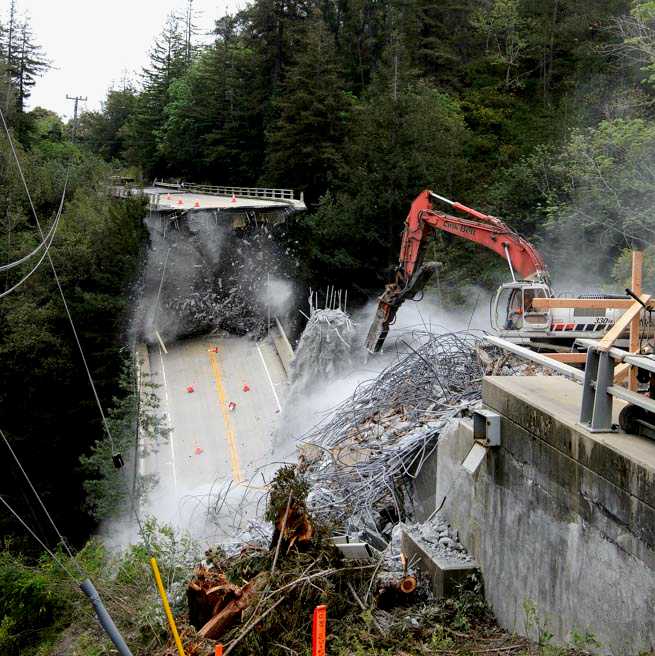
{"x":637,"y":275}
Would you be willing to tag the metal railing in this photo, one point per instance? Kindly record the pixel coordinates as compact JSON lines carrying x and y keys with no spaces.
{"x":538,"y":358}
{"x":598,"y":388}
{"x":245,"y":192}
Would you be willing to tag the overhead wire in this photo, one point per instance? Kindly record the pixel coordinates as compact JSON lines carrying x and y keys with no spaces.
{"x":46,"y":241}
{"x":41,"y":503}
{"x":38,"y":539}
{"x":34,"y":269}
{"x":58,"y":282}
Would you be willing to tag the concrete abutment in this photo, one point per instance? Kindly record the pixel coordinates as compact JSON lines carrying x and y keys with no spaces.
{"x":561,"y":521}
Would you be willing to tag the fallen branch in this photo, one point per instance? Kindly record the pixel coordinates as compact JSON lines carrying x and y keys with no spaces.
{"x":251,"y":625}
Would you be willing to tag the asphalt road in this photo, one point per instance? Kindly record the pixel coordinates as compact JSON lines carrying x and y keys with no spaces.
{"x":178,"y":200}
{"x":212,"y":446}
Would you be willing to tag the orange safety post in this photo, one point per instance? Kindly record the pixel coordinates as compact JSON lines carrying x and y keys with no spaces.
{"x":218,"y":650}
{"x":319,"y":625}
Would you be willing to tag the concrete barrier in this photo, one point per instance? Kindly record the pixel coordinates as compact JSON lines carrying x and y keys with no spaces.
{"x":560,"y":520}
{"x":282,"y":345}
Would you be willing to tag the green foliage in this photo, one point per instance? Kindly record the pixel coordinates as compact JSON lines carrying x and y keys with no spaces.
{"x":135,"y":427}
{"x":42,"y":611}
{"x":354,"y":233}
{"x":47,"y":405}
{"x":312,"y":110}
{"x":287,"y":487}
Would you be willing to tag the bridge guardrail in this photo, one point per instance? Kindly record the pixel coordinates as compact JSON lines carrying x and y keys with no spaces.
{"x":247,"y":192}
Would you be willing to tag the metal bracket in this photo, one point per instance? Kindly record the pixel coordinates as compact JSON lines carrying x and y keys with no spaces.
{"x":486,"y":427}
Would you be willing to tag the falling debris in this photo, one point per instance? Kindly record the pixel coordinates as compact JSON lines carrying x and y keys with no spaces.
{"x":208,"y":277}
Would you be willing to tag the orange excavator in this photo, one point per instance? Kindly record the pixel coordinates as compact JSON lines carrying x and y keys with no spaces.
{"x":512,"y":314}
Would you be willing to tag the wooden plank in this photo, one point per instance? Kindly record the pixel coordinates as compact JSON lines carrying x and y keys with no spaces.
{"x":637,"y":269}
{"x":623,"y":322}
{"x":571,"y":358}
{"x":621,"y":372}
{"x":588,"y":303}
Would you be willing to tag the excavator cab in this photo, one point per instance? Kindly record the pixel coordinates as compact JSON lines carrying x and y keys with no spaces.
{"x":513,"y":310}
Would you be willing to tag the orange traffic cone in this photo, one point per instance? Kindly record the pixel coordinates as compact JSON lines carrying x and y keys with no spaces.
{"x":197,"y":204}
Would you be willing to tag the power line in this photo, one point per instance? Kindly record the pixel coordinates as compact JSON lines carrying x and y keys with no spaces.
{"x":37,"y":265}
{"x":38,"y":497}
{"x":37,"y":538}
{"x":56,"y":277}
{"x":49,"y":236}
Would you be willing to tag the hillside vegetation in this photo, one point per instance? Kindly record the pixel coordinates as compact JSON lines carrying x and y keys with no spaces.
{"x":539,"y":111}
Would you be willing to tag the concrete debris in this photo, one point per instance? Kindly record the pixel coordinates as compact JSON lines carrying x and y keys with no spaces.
{"x":361,"y":458}
{"x":207,"y":278}
{"x":440,"y":540}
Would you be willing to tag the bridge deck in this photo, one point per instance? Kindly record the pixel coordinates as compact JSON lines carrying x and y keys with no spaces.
{"x":168,"y":199}
{"x":211,"y":446}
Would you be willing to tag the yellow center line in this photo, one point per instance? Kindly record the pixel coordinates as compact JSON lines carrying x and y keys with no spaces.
{"x":227,"y":420}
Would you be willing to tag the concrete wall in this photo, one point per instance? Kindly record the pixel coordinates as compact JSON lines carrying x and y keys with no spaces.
{"x":557,"y":516}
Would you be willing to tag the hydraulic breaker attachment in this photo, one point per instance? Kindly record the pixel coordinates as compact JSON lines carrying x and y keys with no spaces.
{"x":395,"y":294}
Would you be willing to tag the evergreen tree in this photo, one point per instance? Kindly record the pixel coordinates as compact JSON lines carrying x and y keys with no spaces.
{"x":104,"y":132}
{"x":30,"y":63}
{"x":167,"y":64}
{"x":313,"y":109}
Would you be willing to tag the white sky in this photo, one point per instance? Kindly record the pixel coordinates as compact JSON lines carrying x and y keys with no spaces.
{"x":94,"y":43}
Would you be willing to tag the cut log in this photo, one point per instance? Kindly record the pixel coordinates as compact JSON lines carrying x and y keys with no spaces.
{"x":230,"y":615}
{"x":407,"y":584}
{"x":207,"y":593}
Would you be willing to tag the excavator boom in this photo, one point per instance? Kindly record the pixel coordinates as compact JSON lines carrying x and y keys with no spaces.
{"x":412,"y":274}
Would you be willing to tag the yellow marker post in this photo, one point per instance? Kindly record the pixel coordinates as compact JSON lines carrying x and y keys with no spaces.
{"x":167,"y":608}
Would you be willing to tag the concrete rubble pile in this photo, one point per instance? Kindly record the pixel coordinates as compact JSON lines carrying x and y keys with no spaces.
{"x":362,"y":458}
{"x":440,"y":539}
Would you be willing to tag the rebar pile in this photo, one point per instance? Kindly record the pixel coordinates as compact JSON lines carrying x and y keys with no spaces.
{"x":362,"y":455}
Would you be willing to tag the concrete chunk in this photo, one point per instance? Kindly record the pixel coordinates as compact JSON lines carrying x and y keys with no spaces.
{"x":445,"y":574}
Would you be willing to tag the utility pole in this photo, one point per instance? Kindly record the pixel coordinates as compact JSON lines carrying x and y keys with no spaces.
{"x":75,"y":112}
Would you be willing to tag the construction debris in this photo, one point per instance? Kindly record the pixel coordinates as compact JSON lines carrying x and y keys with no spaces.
{"x":207,"y":278}
{"x":349,"y":490}
{"x":360,"y":459}
{"x":325,"y":350}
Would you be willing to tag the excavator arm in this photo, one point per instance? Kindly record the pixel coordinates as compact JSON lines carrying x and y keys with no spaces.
{"x":412,"y":273}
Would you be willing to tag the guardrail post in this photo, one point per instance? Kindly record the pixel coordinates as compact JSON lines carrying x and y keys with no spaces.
{"x":602,"y":414}
{"x":588,"y":386}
